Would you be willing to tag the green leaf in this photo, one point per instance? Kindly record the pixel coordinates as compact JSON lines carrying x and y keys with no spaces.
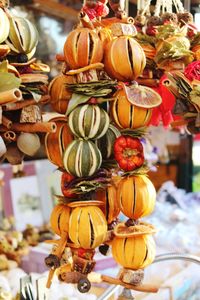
{"x":145,"y":39}
{"x":8,"y":81}
{"x":195,"y":98}
{"x":76,"y":100}
{"x":143,"y":170}
{"x":139,"y":132}
{"x":190,"y":115}
{"x":93,"y":89}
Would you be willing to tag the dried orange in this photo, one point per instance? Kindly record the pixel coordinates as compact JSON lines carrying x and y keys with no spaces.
{"x":142,"y":228}
{"x":85,"y":203}
{"x":142,"y":96}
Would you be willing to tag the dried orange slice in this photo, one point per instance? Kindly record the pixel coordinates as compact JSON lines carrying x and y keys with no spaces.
{"x":28,"y":63}
{"x":143,"y":228}
{"x":40,"y":67}
{"x":142,"y":96}
{"x":85,"y":203}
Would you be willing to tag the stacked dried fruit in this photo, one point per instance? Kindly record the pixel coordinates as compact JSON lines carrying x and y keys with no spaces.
{"x":98,"y":148}
{"x":170,"y":41}
{"x":23,"y":87}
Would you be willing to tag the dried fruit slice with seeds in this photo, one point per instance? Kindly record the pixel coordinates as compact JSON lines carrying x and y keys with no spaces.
{"x":142,"y":96}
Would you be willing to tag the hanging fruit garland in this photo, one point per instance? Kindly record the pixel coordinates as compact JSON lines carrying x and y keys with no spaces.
{"x":170,"y":41}
{"x":103,"y":165}
{"x":23,"y":89}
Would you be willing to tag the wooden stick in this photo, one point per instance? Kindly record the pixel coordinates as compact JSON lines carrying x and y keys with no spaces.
{"x":19,"y":105}
{"x":6,"y":122}
{"x":59,"y":251}
{"x":36,"y":127}
{"x":148,"y":82}
{"x":109,"y":21}
{"x":141,"y":288}
{"x":179,"y":123}
{"x":10,"y":136}
{"x":85,"y":20}
{"x":10,"y":96}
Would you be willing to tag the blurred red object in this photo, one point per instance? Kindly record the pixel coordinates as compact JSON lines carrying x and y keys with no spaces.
{"x":163,"y":113}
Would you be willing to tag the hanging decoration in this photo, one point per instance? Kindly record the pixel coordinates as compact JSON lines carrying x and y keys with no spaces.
{"x":23,"y":89}
{"x":169,"y":39}
{"x":100,"y":154}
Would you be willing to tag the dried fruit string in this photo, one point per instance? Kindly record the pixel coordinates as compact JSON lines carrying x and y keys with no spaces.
{"x":23,"y":88}
{"x":103,"y":168}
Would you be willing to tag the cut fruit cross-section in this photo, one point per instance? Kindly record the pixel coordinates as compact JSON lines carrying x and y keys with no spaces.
{"x":142,"y":96}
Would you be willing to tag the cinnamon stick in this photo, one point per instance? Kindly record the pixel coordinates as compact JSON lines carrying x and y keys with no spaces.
{"x":179,"y":123}
{"x":59,"y":251}
{"x":85,"y":20}
{"x":10,"y":96}
{"x":109,"y":21}
{"x":140,"y":288}
{"x":148,"y":82}
{"x":6,"y":122}
{"x":36,"y":127}
{"x":10,"y":136}
{"x":24,"y":103}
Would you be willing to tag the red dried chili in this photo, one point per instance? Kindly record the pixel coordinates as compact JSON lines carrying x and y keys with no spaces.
{"x":128,"y":152}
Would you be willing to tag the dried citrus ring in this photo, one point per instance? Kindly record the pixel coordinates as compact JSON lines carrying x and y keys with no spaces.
{"x":12,"y":69}
{"x":121,"y":230}
{"x":85,"y":203}
{"x":28,"y":63}
{"x":40,"y":67}
{"x":142,"y":96}
{"x":28,"y":78}
{"x":87,"y":68}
